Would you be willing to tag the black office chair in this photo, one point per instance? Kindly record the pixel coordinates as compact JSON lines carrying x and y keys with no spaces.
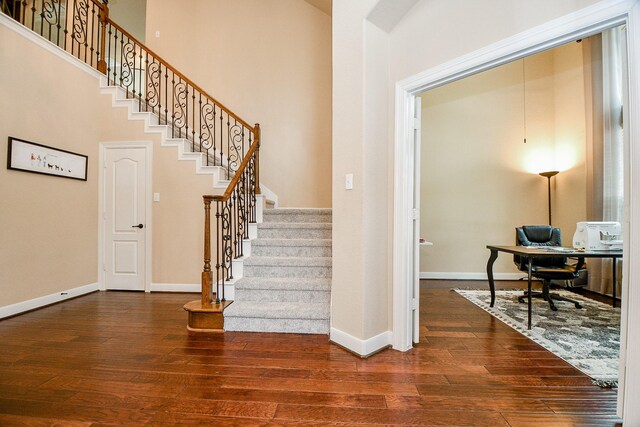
{"x":547,"y":269}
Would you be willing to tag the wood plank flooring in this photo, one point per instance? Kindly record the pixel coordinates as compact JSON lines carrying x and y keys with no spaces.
{"x":119,"y":358}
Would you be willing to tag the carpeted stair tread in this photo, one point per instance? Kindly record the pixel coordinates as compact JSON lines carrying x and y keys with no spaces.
{"x":295,"y":225}
{"x":299,"y":211}
{"x":284,"y":283}
{"x":291,"y":242}
{"x":277,"y":310}
{"x":288,"y":261}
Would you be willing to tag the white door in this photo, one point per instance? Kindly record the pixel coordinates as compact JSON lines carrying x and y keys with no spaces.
{"x":124,"y":218}
{"x":416,"y":219}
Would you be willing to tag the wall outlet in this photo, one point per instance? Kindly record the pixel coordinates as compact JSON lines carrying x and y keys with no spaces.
{"x":156,"y":197}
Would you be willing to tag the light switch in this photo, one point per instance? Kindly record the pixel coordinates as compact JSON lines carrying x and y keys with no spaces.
{"x":156,"y":197}
{"x":348,"y":181}
{"x":157,"y":34}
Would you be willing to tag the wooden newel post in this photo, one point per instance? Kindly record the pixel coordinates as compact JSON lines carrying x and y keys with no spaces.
{"x":206,"y":271}
{"x":104,"y":16}
{"x":257,"y":127}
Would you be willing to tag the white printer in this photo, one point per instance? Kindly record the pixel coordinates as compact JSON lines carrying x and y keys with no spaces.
{"x":598,"y":235}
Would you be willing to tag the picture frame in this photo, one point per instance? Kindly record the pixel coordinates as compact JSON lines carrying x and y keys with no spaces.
{"x":28,"y":156}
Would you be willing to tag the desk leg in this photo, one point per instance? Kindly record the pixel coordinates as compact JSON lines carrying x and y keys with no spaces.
{"x":529,"y":267}
{"x":492,"y":288}
{"x":615,"y":280}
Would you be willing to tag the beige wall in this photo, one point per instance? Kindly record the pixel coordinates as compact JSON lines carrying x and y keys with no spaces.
{"x":269,"y":61}
{"x":358,"y":239}
{"x":432,"y":33}
{"x":49,"y":241}
{"x":480,"y":180}
{"x":50,"y":224}
{"x":570,"y":192}
{"x":130,"y":15}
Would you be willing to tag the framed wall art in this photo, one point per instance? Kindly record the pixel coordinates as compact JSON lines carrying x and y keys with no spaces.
{"x":37,"y":158}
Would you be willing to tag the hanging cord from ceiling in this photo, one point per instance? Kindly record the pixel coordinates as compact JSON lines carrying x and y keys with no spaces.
{"x":524,"y":101}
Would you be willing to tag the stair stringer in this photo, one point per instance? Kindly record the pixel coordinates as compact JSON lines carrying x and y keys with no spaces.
{"x":151,"y":126}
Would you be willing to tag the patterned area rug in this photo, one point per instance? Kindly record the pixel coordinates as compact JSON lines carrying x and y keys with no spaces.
{"x":589,"y":338}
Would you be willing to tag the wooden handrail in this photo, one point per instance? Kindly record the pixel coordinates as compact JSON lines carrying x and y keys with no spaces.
{"x":237,"y":174}
{"x":179,"y":74}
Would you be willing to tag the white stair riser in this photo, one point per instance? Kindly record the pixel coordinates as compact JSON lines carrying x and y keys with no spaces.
{"x":297,"y":218}
{"x":294,"y":233}
{"x":282,"y":295}
{"x":286,"y":271}
{"x":298,"y":326}
{"x":291,"y":251}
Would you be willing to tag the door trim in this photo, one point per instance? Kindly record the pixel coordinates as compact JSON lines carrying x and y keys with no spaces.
{"x":148,"y":147}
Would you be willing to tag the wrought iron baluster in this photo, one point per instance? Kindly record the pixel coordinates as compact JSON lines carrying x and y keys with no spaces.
{"x":201,"y":126}
{"x":112,"y":58}
{"x":92,"y":33}
{"x":173,"y":106}
{"x":193,"y":117}
{"x":166,"y":95}
{"x":185,"y":106}
{"x":148,"y":83}
{"x":33,"y":14}
{"x":59,"y":23}
{"x":132,"y":49}
{"x":228,"y":255}
{"x":121,"y":58}
{"x":42,"y":6}
{"x":221,"y":147}
{"x":213,"y":135}
{"x":219,"y":250}
{"x":66,"y":24}
{"x":140,"y":79}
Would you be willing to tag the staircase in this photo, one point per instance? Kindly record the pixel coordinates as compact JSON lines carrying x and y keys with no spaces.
{"x":187,"y":150}
{"x":287,"y":278}
{"x":282,"y":278}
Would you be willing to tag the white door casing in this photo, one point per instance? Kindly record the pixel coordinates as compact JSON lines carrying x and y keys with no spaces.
{"x":415,"y":305}
{"x":125,"y":217}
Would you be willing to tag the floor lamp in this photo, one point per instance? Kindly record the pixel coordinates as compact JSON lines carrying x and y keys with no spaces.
{"x":548,"y":175}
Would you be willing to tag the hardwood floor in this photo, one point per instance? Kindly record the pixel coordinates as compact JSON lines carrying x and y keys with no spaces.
{"x":120,"y":358}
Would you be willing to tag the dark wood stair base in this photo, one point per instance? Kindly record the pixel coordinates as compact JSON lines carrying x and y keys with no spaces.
{"x":205,"y":319}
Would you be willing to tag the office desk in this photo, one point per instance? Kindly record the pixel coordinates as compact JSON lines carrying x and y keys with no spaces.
{"x":530,"y":253}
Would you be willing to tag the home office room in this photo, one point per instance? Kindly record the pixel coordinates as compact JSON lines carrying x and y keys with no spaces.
{"x":532,"y":146}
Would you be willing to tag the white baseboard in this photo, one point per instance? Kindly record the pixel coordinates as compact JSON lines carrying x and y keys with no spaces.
{"x":360,"y":347}
{"x":469,"y":276}
{"x":32,"y":304}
